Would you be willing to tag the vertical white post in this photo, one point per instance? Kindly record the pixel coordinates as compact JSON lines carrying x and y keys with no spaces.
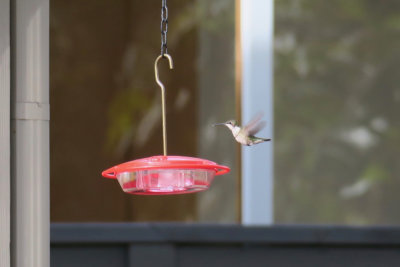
{"x":30,"y":137}
{"x":4,"y":133}
{"x":257,"y":96}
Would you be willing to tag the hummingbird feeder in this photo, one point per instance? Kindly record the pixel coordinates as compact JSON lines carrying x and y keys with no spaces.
{"x":165,"y":175}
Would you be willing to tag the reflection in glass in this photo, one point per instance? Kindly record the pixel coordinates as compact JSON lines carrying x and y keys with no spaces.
{"x":105,"y":105}
{"x":337,"y":102}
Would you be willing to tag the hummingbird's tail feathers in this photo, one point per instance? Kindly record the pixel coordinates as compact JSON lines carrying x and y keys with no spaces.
{"x":262,"y":140}
{"x":256,"y":140}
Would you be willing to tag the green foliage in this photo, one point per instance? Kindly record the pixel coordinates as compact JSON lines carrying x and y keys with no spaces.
{"x":124,"y":113}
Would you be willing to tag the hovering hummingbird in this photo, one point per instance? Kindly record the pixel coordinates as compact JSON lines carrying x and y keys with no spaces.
{"x":245,"y":135}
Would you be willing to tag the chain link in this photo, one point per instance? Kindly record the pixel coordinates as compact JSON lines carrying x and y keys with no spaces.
{"x":164,"y":27}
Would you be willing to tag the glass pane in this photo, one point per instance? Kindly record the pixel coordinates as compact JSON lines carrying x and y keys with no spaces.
{"x":337,"y":102}
{"x":106,"y":109}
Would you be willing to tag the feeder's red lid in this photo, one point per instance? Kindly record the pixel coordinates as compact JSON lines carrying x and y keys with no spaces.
{"x":165,"y":162}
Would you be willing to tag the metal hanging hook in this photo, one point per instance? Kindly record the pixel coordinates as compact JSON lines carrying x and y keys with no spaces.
{"x":164,"y":123}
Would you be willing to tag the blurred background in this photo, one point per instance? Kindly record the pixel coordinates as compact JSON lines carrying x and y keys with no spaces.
{"x":106,"y":105}
{"x":336,"y":101}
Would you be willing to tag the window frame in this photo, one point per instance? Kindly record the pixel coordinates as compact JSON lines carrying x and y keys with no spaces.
{"x":30,"y":153}
{"x":5,"y":74}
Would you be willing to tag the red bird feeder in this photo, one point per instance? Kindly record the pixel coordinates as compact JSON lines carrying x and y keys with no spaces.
{"x":164,"y":175}
{"x":160,"y":175}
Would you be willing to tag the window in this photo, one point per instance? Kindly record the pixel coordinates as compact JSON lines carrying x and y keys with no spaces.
{"x":335,"y":102}
{"x":336,"y":128}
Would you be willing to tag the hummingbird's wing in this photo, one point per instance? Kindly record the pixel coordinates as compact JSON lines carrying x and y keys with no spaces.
{"x":255,"y":125}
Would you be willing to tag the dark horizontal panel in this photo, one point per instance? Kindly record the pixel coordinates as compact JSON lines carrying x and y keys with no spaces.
{"x":222,"y":233}
{"x":287,"y":256}
{"x":85,"y":256}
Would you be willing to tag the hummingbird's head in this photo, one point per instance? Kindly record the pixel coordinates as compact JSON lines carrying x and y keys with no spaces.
{"x":233,"y":123}
{"x":230,"y":124}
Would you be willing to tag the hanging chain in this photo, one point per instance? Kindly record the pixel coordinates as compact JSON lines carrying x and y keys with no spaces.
{"x":164,"y":28}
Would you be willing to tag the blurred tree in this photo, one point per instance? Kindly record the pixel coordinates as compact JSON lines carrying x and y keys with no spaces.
{"x":337,"y":102}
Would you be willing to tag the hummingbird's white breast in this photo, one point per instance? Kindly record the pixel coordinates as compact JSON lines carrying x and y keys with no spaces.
{"x":240,"y":136}
{"x":237,"y":134}
{"x":235,"y":131}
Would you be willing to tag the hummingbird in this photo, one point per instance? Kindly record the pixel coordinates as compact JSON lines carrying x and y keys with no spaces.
{"x":245,"y":135}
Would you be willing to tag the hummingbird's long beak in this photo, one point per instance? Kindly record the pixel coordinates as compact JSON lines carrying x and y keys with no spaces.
{"x":216,"y":124}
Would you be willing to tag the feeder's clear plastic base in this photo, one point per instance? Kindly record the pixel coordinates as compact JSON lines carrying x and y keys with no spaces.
{"x":165,"y":181}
